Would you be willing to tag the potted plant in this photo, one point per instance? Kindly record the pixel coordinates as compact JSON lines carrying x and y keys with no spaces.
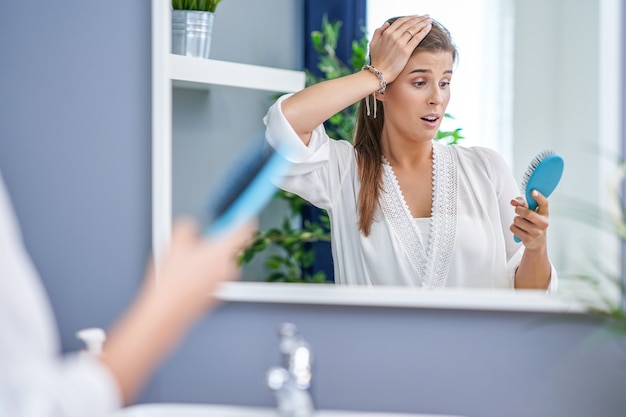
{"x":192,"y":26}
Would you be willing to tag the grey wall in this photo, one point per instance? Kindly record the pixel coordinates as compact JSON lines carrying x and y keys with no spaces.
{"x":75,"y":148}
{"x":472,"y":363}
{"x":75,"y":153}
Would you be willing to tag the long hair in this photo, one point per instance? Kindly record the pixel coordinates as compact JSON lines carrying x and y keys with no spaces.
{"x":368,"y":131}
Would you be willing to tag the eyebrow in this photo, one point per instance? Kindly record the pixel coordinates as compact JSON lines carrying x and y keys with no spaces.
{"x":428,"y":71}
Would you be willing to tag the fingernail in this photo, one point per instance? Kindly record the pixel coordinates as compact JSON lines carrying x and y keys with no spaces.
{"x":534,"y":193}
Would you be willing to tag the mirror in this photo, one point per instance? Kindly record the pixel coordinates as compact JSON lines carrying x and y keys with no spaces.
{"x":538,"y":84}
{"x":563,"y":92}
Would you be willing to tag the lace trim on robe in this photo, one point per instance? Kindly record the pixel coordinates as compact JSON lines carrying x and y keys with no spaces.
{"x":444,"y":212}
{"x":430,"y":260}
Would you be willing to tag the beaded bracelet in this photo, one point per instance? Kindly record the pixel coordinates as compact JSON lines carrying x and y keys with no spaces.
{"x":383,"y":86}
{"x":379,"y":75}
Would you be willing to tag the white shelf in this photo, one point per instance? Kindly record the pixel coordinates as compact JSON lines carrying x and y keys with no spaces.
{"x":411,"y":297}
{"x":177,"y":71}
{"x":199,"y":73}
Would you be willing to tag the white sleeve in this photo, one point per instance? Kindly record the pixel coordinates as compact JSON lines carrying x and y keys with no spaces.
{"x":35,"y":381}
{"x":319,"y":168}
{"x":66,"y":387}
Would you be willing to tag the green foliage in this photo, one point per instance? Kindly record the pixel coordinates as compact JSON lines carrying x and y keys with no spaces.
{"x":293,"y":256}
{"x":614,"y":220}
{"x":602,"y":292}
{"x":341,"y":125}
{"x":451,"y":137}
{"x":199,"y":5}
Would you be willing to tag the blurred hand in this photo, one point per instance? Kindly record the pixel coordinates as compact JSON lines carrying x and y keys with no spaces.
{"x":193,"y":266}
{"x":187,"y":275}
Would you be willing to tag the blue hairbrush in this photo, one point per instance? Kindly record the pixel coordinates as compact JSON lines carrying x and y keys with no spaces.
{"x":245,"y":188}
{"x":543,"y":174}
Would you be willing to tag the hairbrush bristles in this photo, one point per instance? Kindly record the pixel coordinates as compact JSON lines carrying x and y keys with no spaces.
{"x":533,"y":165}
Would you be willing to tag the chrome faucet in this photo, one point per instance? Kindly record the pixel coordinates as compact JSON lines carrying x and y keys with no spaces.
{"x":291,"y":382}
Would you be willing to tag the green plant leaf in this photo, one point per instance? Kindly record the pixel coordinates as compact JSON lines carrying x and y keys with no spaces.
{"x":198,"y":5}
{"x":276,"y":277}
{"x":316,"y":39}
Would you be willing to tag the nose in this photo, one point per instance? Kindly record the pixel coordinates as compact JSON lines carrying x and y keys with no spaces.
{"x":435,"y":97}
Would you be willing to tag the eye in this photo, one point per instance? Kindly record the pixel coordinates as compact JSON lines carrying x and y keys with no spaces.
{"x":419,"y":83}
{"x":444,"y":84}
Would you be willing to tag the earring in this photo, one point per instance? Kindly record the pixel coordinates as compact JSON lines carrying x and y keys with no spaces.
{"x":367,"y":104}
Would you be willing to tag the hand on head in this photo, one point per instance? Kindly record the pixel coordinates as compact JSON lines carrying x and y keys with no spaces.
{"x":531,"y":226}
{"x":392,"y":44}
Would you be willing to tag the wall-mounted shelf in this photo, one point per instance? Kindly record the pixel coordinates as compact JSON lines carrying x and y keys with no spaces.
{"x":199,"y":73}
{"x":170,"y":71}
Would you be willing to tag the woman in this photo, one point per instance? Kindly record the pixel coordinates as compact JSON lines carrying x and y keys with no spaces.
{"x":404,"y":209}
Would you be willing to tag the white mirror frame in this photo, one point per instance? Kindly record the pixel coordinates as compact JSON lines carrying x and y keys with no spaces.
{"x":169,"y":70}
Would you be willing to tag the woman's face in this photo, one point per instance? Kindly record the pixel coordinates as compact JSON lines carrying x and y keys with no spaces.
{"x":417,"y":99}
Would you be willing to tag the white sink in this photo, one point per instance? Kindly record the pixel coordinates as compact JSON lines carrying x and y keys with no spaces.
{"x":213,"y":410}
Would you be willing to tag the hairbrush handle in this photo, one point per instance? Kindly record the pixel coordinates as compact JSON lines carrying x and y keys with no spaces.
{"x":245,"y":188}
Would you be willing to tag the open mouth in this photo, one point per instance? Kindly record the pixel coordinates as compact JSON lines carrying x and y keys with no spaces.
{"x":430,"y":118}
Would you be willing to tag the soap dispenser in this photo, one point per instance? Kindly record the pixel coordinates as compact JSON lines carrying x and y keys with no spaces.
{"x":93,"y":338}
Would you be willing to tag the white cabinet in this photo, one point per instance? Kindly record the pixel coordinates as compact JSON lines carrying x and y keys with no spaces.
{"x":176,"y":71}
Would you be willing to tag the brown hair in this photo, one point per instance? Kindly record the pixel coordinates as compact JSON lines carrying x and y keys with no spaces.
{"x":368,"y":131}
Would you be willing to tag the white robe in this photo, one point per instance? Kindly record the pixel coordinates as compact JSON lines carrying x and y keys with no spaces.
{"x":467,"y":242}
{"x":35,"y":381}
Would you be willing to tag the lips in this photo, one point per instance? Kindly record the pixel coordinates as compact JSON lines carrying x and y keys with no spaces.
{"x":431,"y":118}
{"x":431,"y":121}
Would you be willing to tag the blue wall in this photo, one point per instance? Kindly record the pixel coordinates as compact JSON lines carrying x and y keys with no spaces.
{"x":75,"y":153}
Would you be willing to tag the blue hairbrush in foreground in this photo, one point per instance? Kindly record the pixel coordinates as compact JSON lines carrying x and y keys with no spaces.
{"x":543,"y":174}
{"x":245,"y":188}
